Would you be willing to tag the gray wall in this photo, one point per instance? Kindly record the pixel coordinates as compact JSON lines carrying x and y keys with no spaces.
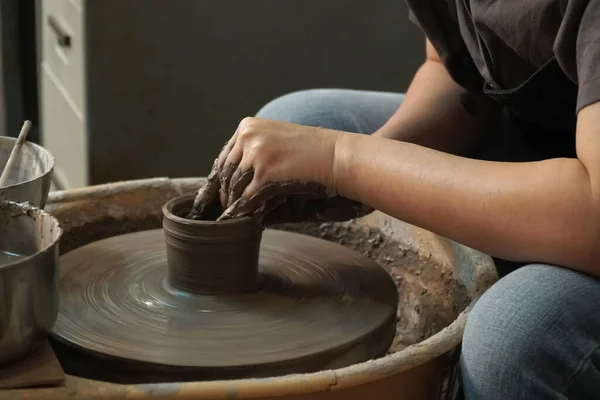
{"x":168,"y":81}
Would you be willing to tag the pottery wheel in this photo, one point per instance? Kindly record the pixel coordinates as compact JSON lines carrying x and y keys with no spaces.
{"x":319,"y":305}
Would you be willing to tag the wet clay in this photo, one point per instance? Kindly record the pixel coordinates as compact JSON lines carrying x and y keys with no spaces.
{"x":210,"y":257}
{"x":316,"y":305}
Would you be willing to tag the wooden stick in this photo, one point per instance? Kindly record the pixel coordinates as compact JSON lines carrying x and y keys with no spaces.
{"x":15,"y":151}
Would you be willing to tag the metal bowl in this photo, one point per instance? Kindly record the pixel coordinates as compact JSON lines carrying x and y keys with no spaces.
{"x":30,"y":178}
{"x":28,"y":282}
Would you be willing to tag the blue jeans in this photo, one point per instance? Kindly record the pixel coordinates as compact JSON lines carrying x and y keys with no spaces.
{"x":535,"y":334}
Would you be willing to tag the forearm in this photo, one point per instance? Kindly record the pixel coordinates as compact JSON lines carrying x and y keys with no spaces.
{"x":438,"y":113}
{"x":543,"y":211}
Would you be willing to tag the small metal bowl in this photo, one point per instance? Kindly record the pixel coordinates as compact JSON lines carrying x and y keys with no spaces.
{"x":28,"y":283}
{"x":30,"y":178}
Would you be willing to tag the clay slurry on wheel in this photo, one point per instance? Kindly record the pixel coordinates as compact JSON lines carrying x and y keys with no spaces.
{"x":317,"y":305}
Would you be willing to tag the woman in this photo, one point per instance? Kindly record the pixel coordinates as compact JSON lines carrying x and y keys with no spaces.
{"x":496,"y":145}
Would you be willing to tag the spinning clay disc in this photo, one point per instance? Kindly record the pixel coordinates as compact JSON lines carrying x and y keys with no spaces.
{"x":317,"y":305}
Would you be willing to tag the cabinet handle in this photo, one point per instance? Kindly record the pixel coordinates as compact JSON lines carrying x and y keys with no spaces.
{"x":62,"y":37}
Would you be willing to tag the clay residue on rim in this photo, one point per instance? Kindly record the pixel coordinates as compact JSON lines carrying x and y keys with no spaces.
{"x":44,"y":234}
{"x":430,"y":297}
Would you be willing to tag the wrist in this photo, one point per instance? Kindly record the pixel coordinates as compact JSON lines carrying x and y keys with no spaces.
{"x":323,"y":164}
{"x":341,"y":163}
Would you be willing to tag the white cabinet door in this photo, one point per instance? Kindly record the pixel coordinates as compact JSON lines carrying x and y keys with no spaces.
{"x":63,"y":46}
{"x":63,"y":132}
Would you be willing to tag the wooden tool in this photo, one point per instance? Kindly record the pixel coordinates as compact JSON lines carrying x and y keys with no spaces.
{"x":15,"y":151}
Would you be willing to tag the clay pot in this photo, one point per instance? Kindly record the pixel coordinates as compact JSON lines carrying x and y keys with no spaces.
{"x":210,"y":257}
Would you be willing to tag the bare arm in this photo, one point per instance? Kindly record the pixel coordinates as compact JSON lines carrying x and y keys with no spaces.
{"x":546,"y":211}
{"x":437,"y":112}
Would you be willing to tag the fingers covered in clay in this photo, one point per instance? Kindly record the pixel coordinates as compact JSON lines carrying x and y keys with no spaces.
{"x":226,"y":175}
{"x":241,"y":181}
{"x":207,"y":198}
{"x":207,"y":195}
{"x":229,"y":162}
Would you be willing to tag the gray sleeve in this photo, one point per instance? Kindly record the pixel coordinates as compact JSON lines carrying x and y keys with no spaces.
{"x":577,"y":48}
{"x":437,"y":22}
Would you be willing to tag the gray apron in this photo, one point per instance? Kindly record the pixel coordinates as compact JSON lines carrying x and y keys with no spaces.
{"x":542,"y":108}
{"x":540,"y":111}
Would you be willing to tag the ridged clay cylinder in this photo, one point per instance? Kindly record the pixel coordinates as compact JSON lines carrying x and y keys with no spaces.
{"x":210,"y":257}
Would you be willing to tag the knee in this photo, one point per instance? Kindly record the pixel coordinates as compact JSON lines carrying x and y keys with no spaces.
{"x":514,"y":338}
{"x":296,"y":107}
{"x":312,"y":107}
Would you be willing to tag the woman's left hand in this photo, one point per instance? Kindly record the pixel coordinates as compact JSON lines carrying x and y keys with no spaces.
{"x":266,"y":161}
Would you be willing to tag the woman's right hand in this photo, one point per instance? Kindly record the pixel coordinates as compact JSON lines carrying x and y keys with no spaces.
{"x":313,"y":206}
{"x":289,"y":163}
